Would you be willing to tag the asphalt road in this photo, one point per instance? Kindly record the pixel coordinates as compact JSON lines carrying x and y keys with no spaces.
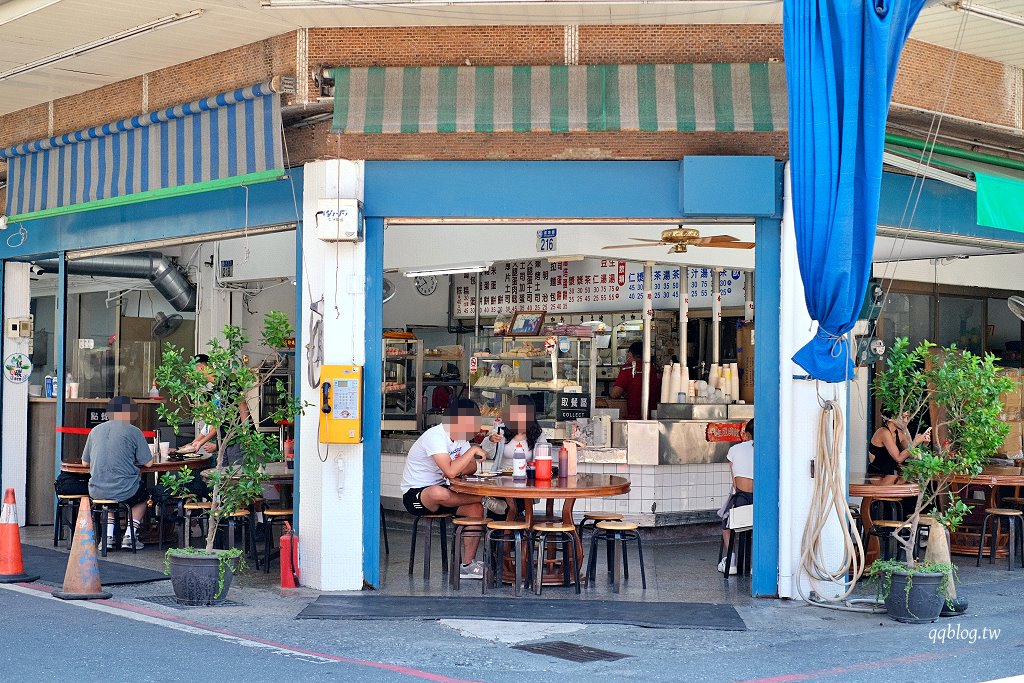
{"x":49,"y":640}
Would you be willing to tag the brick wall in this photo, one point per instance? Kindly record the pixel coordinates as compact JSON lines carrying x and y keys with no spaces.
{"x":982,"y":90}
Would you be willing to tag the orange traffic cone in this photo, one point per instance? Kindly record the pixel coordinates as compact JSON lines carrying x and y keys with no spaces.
{"x":82,"y":579}
{"x":11,"y":568}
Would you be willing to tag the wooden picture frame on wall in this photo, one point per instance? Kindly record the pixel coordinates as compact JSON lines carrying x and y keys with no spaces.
{"x":526,"y":324}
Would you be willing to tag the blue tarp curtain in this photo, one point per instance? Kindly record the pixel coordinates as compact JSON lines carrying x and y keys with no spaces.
{"x":841,"y":59}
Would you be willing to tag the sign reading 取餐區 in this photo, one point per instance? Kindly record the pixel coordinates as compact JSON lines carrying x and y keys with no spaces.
{"x":572,"y":407}
{"x":587,"y":286}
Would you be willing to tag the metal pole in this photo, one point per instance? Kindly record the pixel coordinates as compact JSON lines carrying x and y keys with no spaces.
{"x":716,"y":315}
{"x":684,"y":314}
{"x":748,"y":296}
{"x":476,"y":312}
{"x":648,"y":311}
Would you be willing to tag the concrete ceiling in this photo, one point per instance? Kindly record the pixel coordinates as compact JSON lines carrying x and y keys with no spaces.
{"x":33,"y":29}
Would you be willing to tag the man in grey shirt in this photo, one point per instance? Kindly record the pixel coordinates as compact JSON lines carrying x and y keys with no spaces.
{"x":114,"y":451}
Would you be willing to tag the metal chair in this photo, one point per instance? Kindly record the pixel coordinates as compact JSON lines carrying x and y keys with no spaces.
{"x":1015,"y":522}
{"x":272,"y":516}
{"x":66,"y":503}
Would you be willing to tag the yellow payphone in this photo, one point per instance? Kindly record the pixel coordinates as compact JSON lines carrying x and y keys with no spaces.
{"x":341,"y":398}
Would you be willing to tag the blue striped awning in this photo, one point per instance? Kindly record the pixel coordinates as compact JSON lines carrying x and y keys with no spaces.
{"x":233,"y":134}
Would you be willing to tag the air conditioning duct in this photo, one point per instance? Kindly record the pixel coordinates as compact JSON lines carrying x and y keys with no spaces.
{"x":147,"y":265}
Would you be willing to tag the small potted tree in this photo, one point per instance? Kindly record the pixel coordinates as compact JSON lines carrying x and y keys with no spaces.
{"x":962,"y":389}
{"x":215,"y":394}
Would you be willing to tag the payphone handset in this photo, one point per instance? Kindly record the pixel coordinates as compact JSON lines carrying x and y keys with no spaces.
{"x":341,"y":392}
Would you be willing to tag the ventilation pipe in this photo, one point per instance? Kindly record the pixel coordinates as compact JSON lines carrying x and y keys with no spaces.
{"x":148,"y":265}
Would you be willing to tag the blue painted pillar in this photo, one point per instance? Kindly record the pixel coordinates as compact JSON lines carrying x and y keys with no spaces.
{"x":767,"y":259}
{"x":60,"y":348}
{"x":372,"y":378}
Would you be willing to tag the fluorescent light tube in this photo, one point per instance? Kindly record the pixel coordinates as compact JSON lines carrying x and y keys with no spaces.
{"x":455,"y":269}
{"x":103,"y":42}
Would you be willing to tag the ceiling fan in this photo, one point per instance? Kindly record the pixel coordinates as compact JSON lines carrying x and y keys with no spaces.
{"x":680,"y":238}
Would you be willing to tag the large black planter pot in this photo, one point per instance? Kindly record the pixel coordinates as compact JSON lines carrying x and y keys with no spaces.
{"x":922,"y":604}
{"x":196,"y":578}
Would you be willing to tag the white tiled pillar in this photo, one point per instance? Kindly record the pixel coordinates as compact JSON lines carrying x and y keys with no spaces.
{"x":15,"y":291}
{"x":330,"y":477}
{"x":799,"y":413}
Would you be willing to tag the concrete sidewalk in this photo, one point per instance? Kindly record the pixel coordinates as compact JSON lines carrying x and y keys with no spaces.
{"x":784,"y":638}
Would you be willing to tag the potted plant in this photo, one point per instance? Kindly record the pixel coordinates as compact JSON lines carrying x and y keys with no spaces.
{"x":215,"y":394}
{"x":962,"y":391}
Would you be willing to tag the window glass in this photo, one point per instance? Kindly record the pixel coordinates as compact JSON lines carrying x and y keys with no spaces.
{"x":960,"y":323}
{"x":1003,"y":332}
{"x":905,"y":315}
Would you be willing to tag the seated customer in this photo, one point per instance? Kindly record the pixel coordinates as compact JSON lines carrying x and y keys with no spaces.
{"x":741,"y":463}
{"x":888,"y":450}
{"x":441,"y":453}
{"x":114,"y":452}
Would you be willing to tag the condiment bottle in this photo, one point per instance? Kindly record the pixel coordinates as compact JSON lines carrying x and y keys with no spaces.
{"x":519,"y":462}
{"x":563,"y":462}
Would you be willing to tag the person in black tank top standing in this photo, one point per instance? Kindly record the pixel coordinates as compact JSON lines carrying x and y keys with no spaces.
{"x":887,"y":452}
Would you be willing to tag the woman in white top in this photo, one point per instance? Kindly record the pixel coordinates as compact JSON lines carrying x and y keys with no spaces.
{"x":521,"y":427}
{"x":741,"y":464}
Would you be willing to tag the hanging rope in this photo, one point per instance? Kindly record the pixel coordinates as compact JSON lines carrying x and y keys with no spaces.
{"x":828,"y":504}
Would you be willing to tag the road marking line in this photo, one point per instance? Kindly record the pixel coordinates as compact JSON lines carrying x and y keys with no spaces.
{"x":177,"y":623}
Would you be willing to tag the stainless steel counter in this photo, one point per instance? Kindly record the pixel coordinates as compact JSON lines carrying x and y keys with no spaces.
{"x":678,"y":436}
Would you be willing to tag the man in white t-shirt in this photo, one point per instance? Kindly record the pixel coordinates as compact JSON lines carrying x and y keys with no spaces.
{"x":741,"y":462}
{"x":441,"y":453}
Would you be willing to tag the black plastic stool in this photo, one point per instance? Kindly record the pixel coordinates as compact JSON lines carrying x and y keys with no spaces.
{"x":616,"y":532}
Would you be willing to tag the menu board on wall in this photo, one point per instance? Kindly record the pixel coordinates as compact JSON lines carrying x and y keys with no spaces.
{"x":591,"y":285}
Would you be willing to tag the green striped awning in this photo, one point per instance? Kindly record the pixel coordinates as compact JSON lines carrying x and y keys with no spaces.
{"x":608,"y":97}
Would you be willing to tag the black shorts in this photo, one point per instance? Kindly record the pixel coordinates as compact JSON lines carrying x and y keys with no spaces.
{"x":411,"y":500}
{"x":141,"y":495}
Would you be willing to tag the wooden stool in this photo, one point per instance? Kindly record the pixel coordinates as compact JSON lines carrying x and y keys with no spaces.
{"x":202,"y":510}
{"x":593,"y":518}
{"x":66,"y":503}
{"x":516,"y":529}
{"x":442,"y":519}
{"x":616,"y":532}
{"x":101,"y":515}
{"x":884,"y":529}
{"x":272,"y":516}
{"x":565,"y":538}
{"x":1015,"y":522}
{"x":474,"y":526}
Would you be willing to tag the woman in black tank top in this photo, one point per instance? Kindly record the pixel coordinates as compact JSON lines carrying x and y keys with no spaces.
{"x":887,"y":453}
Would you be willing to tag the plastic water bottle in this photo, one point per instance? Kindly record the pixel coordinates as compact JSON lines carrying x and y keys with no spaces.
{"x":519,"y":462}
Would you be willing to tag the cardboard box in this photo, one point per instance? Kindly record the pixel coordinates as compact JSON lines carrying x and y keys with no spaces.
{"x":1012,"y":399}
{"x":1012,"y":445}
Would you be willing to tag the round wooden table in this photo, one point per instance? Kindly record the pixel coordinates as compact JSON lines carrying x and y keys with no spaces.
{"x":868,"y":492}
{"x":568,"y":489}
{"x":152,"y":468}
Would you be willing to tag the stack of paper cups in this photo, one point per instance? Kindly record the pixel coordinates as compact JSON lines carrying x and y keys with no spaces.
{"x":735,"y":371}
{"x":676,"y":376}
{"x":666,"y":382}
{"x":713,"y":376}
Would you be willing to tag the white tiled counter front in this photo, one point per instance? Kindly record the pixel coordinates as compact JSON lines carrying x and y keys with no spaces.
{"x":660,"y":495}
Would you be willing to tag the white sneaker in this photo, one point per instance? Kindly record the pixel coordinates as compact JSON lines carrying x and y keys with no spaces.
{"x":495,"y":505}
{"x":126,"y":544}
{"x":732,"y":566}
{"x":111,"y":542}
{"x":473,"y":570}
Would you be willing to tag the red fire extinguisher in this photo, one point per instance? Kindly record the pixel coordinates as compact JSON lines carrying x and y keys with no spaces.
{"x":289,"y":558}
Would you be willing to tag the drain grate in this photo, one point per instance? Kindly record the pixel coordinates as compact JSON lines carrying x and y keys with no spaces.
{"x":171,"y":601}
{"x":571,"y":651}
